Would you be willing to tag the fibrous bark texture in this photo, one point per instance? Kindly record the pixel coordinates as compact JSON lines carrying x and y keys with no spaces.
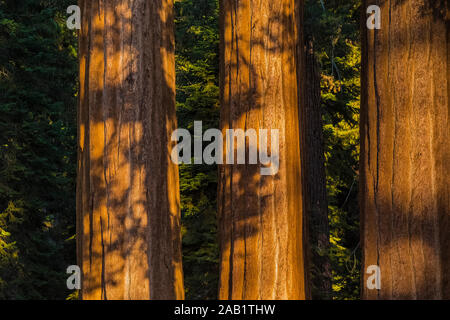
{"x":405,"y":161}
{"x":260,"y":217}
{"x":128,"y":229}
{"x":314,"y":178}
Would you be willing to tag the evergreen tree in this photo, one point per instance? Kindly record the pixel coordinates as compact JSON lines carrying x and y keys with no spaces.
{"x":37,"y":154}
{"x":128,"y":209}
{"x":197,"y":55}
{"x":314,"y":180}
{"x":405,"y":173}
{"x":260,"y":216}
{"x":333,"y":26}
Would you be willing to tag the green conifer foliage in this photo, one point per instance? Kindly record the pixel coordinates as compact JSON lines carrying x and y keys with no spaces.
{"x":334,"y":27}
{"x":197,"y":67}
{"x":38,"y":70}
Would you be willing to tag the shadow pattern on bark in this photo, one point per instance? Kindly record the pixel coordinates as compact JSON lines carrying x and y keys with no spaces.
{"x":260,"y":217}
{"x":128,"y":229}
{"x":405,"y":157}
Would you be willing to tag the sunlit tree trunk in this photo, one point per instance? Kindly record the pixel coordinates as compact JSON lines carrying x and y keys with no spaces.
{"x":314,"y":178}
{"x":128,"y":228}
{"x":405,"y":160}
{"x":260,"y":216}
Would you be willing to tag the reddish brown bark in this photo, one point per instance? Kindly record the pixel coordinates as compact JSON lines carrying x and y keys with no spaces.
{"x":260,"y":217}
{"x":128,"y":229}
{"x":405,"y":159}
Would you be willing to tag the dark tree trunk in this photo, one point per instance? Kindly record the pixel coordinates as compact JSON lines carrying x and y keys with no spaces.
{"x":128,"y":227}
{"x":405,"y":160}
{"x":315,"y":202}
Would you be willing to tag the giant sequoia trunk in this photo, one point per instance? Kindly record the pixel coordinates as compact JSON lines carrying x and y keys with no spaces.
{"x":405,"y":160}
{"x":128,"y":227}
{"x":314,"y":178}
{"x":260,"y":217}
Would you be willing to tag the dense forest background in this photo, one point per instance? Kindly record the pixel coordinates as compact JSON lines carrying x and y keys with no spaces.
{"x":38,"y":94}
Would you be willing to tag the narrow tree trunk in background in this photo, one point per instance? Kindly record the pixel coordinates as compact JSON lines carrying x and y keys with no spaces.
{"x":128,"y":229}
{"x":314,"y":179}
{"x":405,"y":160}
{"x":260,"y":217}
